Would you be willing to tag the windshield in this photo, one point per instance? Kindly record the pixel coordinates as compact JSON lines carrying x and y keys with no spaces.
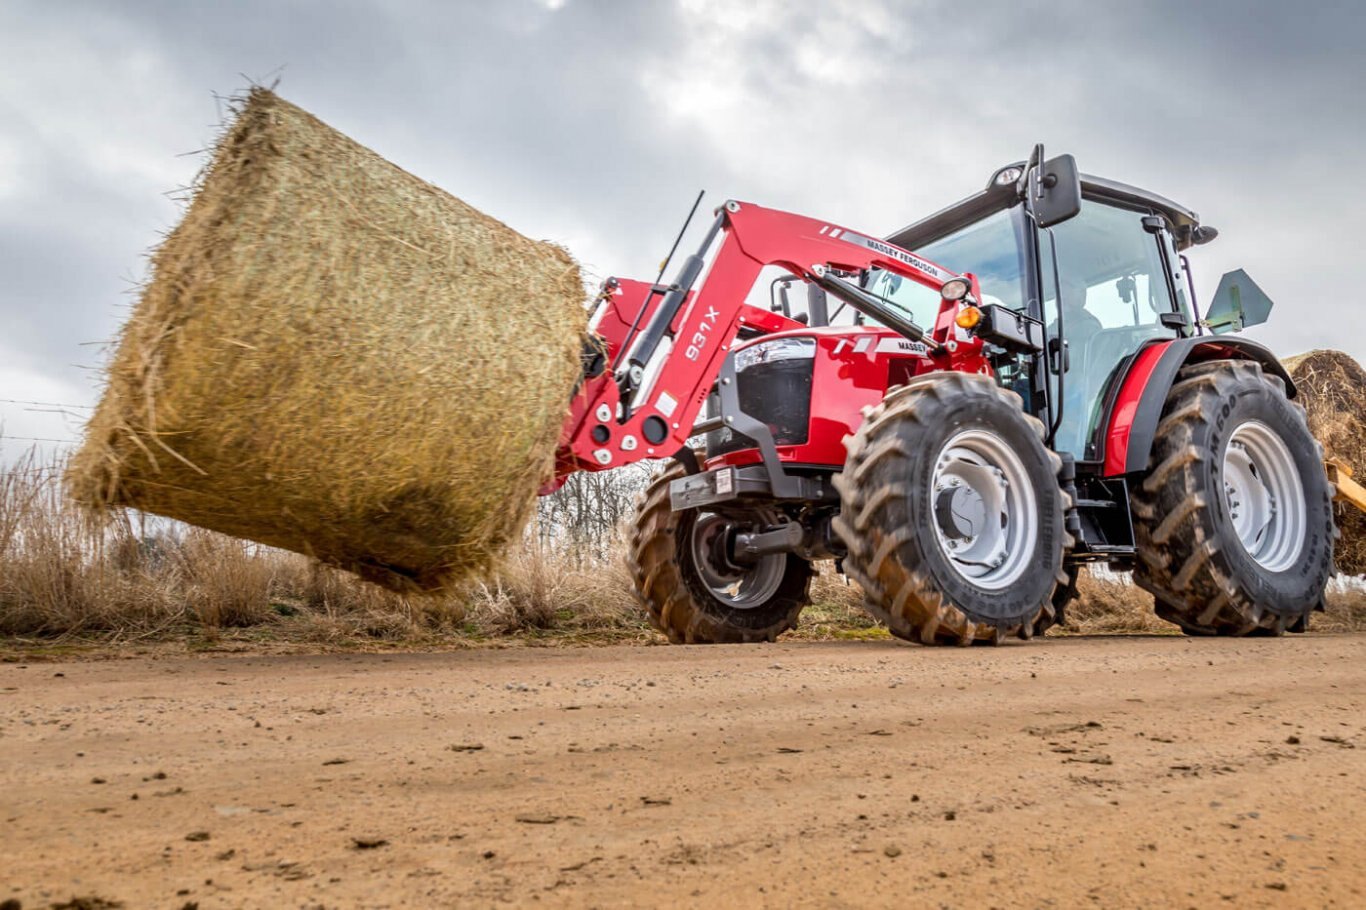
{"x":992,"y":249}
{"x":919,"y":303}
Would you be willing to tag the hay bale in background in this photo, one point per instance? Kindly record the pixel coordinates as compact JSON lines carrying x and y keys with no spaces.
{"x":337,"y":358}
{"x":1332,"y":387}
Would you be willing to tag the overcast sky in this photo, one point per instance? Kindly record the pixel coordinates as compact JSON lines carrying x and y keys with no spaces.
{"x":594,"y":124}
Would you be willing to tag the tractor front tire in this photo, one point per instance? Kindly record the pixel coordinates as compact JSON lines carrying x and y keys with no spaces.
{"x":1063,"y":597}
{"x":688,"y":589}
{"x":952,"y":514}
{"x":1233,"y":520}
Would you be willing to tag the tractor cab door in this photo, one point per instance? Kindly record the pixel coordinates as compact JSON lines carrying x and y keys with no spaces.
{"x":1116,"y":288}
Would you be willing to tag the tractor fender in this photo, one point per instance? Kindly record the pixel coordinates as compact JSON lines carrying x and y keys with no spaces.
{"x":1137,"y":408}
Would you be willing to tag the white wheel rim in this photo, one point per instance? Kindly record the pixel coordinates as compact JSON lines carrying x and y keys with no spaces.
{"x":1264,"y":496}
{"x":983,"y":509}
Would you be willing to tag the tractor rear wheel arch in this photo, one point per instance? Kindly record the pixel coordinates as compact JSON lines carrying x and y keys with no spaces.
{"x":1176,"y":356}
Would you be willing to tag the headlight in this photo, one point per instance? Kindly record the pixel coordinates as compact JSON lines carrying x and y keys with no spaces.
{"x":955,"y":289}
{"x":777,"y":349}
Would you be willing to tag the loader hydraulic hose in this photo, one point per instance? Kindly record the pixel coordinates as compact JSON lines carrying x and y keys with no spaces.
{"x":873,"y":306}
{"x":644,"y":305}
{"x":663,"y":317}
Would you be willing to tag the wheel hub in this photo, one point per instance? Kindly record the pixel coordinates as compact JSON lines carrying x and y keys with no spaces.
{"x":985,"y":515}
{"x":740,"y":587}
{"x":961,"y":512}
{"x":1264,"y":496}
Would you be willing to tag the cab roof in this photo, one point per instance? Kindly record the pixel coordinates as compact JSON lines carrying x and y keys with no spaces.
{"x":1184,"y":222}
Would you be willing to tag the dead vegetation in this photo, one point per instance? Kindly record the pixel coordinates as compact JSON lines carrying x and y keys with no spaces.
{"x":1108,"y":604}
{"x":135,"y":577}
{"x":66,"y":578}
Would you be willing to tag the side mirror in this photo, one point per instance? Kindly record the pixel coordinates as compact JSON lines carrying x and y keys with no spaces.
{"x":1055,"y":191}
{"x":1237,"y":304}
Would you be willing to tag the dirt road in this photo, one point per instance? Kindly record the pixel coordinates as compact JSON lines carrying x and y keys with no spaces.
{"x":1112,"y":772}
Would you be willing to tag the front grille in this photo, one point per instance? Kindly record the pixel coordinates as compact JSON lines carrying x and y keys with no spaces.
{"x":778,"y":394}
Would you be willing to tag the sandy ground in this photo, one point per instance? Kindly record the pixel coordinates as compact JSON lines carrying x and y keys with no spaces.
{"x":1107,"y":772}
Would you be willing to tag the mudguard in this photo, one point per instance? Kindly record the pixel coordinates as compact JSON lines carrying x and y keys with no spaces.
{"x":1137,"y":408}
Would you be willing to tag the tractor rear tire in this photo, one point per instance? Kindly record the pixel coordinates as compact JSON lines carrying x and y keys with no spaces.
{"x":942,"y":466}
{"x":666,"y":559}
{"x":1233,"y":520}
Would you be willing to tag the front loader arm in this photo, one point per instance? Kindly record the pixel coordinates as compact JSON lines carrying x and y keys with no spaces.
{"x":657,"y":360}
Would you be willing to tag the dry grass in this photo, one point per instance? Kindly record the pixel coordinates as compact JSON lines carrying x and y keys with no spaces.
{"x":59,"y":573}
{"x":339,"y":359}
{"x":1346,"y":610}
{"x":1109,"y":604}
{"x":62,"y":574}
{"x":544,"y":590}
{"x":66,"y":579}
{"x":836,"y":610}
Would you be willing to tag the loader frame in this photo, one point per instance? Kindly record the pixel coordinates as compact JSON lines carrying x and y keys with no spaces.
{"x":647,"y":379}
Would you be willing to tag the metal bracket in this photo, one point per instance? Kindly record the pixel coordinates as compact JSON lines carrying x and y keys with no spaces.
{"x":688,"y":458}
{"x":728,"y":484}
{"x":1347,"y":489}
{"x":785,"y":486}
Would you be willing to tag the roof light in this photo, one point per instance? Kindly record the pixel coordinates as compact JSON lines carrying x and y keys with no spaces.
{"x":1008,"y":176}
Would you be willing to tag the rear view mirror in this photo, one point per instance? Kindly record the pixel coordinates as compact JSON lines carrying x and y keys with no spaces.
{"x":1057,"y":193}
{"x":1237,"y":304}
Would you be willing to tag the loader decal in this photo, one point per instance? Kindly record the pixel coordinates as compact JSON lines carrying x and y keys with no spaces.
{"x":902,"y":346}
{"x":860,"y":346}
{"x":886,"y":249}
{"x":699,"y":338}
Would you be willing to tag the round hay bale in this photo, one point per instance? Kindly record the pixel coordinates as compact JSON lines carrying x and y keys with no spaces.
{"x":1331,"y":385}
{"x":337,"y":358}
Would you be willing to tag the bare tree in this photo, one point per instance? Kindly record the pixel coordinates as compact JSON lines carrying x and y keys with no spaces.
{"x":587,"y":513}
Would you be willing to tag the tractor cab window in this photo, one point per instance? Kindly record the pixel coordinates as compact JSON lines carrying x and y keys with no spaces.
{"x":1114,"y":291}
{"x":911,"y":297}
{"x":992,"y":249}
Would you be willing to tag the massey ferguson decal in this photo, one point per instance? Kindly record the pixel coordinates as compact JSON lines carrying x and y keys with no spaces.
{"x":902,"y":346}
{"x":886,"y":249}
{"x":884,"y":346}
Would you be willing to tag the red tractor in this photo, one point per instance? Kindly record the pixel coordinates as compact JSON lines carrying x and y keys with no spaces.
{"x":961,"y":427}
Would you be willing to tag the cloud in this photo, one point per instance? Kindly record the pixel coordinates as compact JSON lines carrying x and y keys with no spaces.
{"x":595,"y":123}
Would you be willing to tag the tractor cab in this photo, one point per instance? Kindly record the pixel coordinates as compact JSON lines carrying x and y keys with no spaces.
{"x":1117,"y":265}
